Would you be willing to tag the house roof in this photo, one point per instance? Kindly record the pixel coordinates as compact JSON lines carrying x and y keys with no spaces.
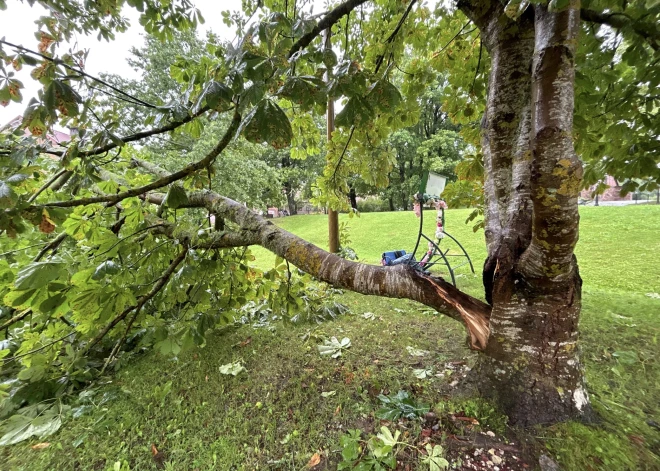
{"x":54,"y":136}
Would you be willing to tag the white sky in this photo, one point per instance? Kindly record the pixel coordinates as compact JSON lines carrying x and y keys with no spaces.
{"x":17,"y":26}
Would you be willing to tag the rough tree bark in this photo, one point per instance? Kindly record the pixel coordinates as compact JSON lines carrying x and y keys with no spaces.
{"x":290,"y":198}
{"x":352,"y":197}
{"x":531,"y":365}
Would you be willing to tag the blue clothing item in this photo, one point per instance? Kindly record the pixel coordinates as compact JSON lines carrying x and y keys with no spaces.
{"x":396,"y":257}
{"x":403,"y":259}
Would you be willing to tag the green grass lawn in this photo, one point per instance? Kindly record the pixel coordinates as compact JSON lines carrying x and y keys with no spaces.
{"x":274,"y":416}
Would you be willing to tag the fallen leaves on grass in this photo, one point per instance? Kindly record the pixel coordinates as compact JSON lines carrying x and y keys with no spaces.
{"x":422,"y":373}
{"x":232,"y":368}
{"x":314,"y":460}
{"x":334,"y":347}
{"x":415,"y":352}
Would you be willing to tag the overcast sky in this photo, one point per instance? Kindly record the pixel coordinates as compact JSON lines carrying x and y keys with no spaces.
{"x":17,"y":26}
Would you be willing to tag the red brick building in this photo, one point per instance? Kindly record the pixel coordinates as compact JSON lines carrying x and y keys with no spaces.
{"x":613,"y":192}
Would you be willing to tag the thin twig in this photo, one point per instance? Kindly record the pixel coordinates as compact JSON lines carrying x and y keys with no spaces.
{"x":455,"y":36}
{"x":52,"y":246}
{"x":476,"y":72}
{"x":341,"y":157}
{"x":379,"y":60}
{"x":21,"y":249}
{"x":141,"y":302}
{"x":36,"y":350}
{"x":137,"y":136}
{"x":326,"y":22}
{"x":46,"y":185}
{"x":78,"y":71}
{"x":17,"y":318}
{"x":161,"y":182}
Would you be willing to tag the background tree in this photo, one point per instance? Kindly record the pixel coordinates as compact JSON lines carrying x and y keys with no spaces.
{"x":432,"y":143}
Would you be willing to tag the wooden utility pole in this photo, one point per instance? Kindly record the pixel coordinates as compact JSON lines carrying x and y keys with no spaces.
{"x":333,"y":216}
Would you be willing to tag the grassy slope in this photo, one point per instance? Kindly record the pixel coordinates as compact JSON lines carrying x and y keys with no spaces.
{"x":210,"y":421}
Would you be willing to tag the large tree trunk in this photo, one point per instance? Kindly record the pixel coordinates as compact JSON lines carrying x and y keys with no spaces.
{"x":352,"y":197}
{"x":290,"y":199}
{"x":531,"y":365}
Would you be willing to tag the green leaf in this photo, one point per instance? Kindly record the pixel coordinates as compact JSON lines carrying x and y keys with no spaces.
{"x":350,"y":445}
{"x":106,"y":268}
{"x":217,"y":95}
{"x":304,"y":91}
{"x":52,"y":302}
{"x":168,"y":347}
{"x":386,"y":436}
{"x":18,"y":299}
{"x":400,"y":405}
{"x":232,"y":368}
{"x":357,"y":111}
{"x":19,"y":427}
{"x":334,"y":347}
{"x":626,"y":357}
{"x":38,"y":274}
{"x":384,"y":96}
{"x":434,"y":458}
{"x":176,"y":197}
{"x":267,"y":123}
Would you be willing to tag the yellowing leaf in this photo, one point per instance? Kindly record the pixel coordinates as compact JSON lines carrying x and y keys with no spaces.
{"x":314,"y":460}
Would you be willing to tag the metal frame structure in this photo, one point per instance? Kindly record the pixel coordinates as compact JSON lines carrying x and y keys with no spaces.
{"x":438,"y":257}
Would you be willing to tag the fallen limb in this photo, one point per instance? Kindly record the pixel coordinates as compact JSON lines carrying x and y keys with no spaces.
{"x":400,"y":281}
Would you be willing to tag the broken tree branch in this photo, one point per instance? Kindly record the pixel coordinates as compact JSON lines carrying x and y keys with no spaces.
{"x":395,"y":282}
